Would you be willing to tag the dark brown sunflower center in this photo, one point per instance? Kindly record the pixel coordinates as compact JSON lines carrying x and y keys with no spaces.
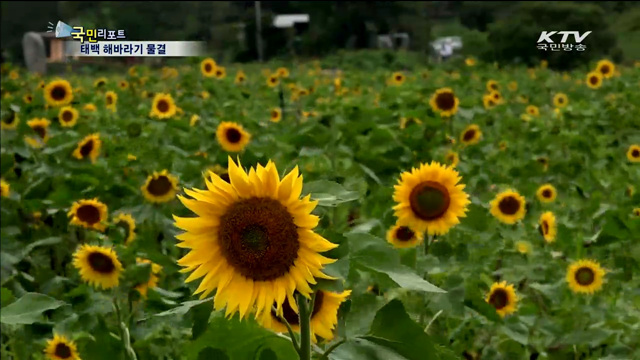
{"x":605,"y":69}
{"x":240,"y":78}
{"x":451,"y":158}
{"x":445,"y":101}
{"x":159,"y":186}
{"x":593,"y":80}
{"x":635,"y":153}
{"x":545,"y":228}
{"x":585,"y":276}
{"x":101,"y":263}
{"x":560,"y":100}
{"x":218,"y":73}
{"x":123,"y":84}
{"x":493,"y":86}
{"x":58,"y":93}
{"x":509,"y":205}
{"x":208,"y":68}
{"x":273,"y":80}
{"x":233,"y":135}
{"x":429,"y":200}
{"x":542,"y":161}
{"x":162,"y":106}
{"x":274,"y":114}
{"x":29,"y":98}
{"x":398,"y":77}
{"x":469,"y":135}
{"x":89,"y":214}
{"x":100,"y":83}
{"x":546,"y":193}
{"x":40,"y":130}
{"x":67,"y":116}
{"x":259,"y":238}
{"x":496,"y":96}
{"x":499,"y":299}
{"x":291,"y":316}
{"x":532,"y":111}
{"x":109,"y":100}
{"x":62,"y":351}
{"x":404,"y":233}
{"x":86,"y":148}
{"x":9,"y":119}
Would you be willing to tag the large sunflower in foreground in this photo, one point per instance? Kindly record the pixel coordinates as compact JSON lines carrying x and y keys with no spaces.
{"x":548,"y":227}
{"x":471,"y":135}
{"x":546,"y":193}
{"x":128,"y":223}
{"x":508,"y":207}
{"x":160,"y":187}
{"x":68,"y":116}
{"x":502,"y":297}
{"x":560,"y":100}
{"x":606,"y":68}
{"x":232,"y":136}
{"x":633,"y":154}
{"x":89,"y":147}
{"x":58,"y":93}
{"x":163,"y":106}
{"x":90,"y":214}
{"x":153,"y":277}
{"x":208,"y":67}
{"x":61,"y":348}
{"x":403,"y":237}
{"x":594,"y":80}
{"x":98,"y":265}
{"x":324,"y":315}
{"x":429,"y":199}
{"x":445,"y":102}
{"x":585,"y":276}
{"x":253,"y":240}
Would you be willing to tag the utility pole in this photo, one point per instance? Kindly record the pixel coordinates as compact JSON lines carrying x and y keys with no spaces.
{"x":259,"y":30}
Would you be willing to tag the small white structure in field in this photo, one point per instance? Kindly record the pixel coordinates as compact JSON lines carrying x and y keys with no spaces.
{"x":446,"y":45}
{"x":287,"y":21}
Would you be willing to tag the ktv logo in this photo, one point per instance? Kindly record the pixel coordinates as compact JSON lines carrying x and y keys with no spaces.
{"x":545,"y":42}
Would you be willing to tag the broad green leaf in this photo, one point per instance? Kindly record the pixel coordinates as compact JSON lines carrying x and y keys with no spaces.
{"x":184,"y":307}
{"x":28,"y":309}
{"x":329,"y":193}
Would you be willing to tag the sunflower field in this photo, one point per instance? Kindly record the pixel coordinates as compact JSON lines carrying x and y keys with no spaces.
{"x":464,"y":210}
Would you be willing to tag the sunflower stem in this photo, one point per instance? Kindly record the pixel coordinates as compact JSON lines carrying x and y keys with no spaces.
{"x":331,"y":348}
{"x":305,"y":328}
{"x":292,"y":335}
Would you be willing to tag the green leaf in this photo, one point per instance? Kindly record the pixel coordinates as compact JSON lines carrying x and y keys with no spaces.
{"x":517,"y":331}
{"x":184,"y":307}
{"x":240,"y":340}
{"x":363,"y":349}
{"x":371,"y":174}
{"x":329,"y":193}
{"x":6,"y":297}
{"x":474,"y":300}
{"x":44,"y":242}
{"x":28,"y":309}
{"x":394,"y":329}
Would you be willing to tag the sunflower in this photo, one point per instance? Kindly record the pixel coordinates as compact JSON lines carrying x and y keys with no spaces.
{"x":546,"y":193}
{"x":502,"y":297}
{"x":633,"y":154}
{"x":58,"y":93}
{"x":68,"y":116}
{"x":89,"y":107}
{"x":560,"y":100}
{"x":133,"y":71}
{"x":401,"y":236}
{"x":512,"y":86}
{"x":253,"y":239}
{"x":470,"y":61}
{"x":533,"y":110}
{"x":160,"y":187}
{"x":128,"y":223}
{"x":90,"y":214}
{"x":123,"y":85}
{"x":220,"y":72}
{"x":100,"y":82}
{"x":397,"y":78}
{"x":163,"y":106}
{"x":452,"y":158}
{"x":594,"y":80}
{"x":471,"y":135}
{"x":492,"y":85}
{"x":606,"y":68}
{"x":208,"y":67}
{"x":502,"y":145}
{"x":111,"y":100}
{"x":282,"y":72}
{"x":10,"y":122}
{"x":98,"y":265}
{"x":273,"y":80}
{"x":409,"y":120}
{"x":544,"y":161}
{"x":585,"y":276}
{"x":27,"y":98}
{"x":276,"y":115}
{"x":445,"y":102}
{"x":153,"y":277}
{"x":324,"y":315}
{"x":205,"y":95}
{"x":5,"y":188}
{"x":428,"y":199}
{"x":61,"y":348}
{"x":488,"y":102}
{"x":508,"y":207}
{"x":41,"y":127}
{"x":636,"y":212}
{"x":13,"y":75}
{"x":89,"y":147}
{"x":548,"y":227}
{"x":523,"y":247}
{"x":194,"y":120}
{"x":232,"y":136}
{"x":41,"y":85}
{"x":241,"y":77}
